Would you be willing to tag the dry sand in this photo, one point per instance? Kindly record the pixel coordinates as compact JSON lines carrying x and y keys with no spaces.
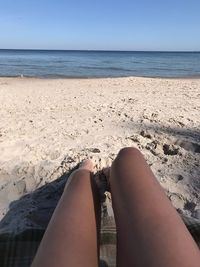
{"x":48,"y":126}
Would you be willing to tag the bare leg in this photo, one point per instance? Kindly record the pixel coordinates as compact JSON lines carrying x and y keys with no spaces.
{"x":71,"y":238}
{"x":150,"y":231}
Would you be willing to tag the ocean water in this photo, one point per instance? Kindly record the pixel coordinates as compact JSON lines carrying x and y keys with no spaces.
{"x":46,"y":63}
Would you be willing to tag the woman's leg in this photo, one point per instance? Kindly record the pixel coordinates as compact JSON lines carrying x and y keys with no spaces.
{"x":71,"y":238}
{"x":149,"y":230}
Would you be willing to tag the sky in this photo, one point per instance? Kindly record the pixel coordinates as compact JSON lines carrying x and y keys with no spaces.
{"x":161,"y":25}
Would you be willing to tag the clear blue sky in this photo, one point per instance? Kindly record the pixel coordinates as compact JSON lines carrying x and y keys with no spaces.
{"x":102,"y":24}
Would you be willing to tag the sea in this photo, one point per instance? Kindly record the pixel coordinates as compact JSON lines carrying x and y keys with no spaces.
{"x":92,"y":64}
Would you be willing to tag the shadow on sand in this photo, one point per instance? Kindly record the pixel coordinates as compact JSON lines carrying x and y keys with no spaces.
{"x":18,"y":248}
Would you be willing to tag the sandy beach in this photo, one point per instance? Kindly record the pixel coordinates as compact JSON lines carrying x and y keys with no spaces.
{"x":48,"y":126}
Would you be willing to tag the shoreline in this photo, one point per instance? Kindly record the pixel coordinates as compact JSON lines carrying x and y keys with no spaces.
{"x":99,"y":78}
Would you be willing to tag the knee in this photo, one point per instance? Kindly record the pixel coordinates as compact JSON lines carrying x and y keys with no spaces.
{"x":126,"y":158}
{"x":128,"y":152}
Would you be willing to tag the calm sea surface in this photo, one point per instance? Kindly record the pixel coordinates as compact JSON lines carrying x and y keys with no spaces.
{"x":43,"y":63}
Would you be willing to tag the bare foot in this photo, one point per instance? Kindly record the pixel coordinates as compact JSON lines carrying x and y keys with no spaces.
{"x":102,"y":181}
{"x":106,"y":173}
{"x":86,"y":165}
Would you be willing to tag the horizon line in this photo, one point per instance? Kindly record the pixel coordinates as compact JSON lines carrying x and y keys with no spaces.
{"x":101,"y":50}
